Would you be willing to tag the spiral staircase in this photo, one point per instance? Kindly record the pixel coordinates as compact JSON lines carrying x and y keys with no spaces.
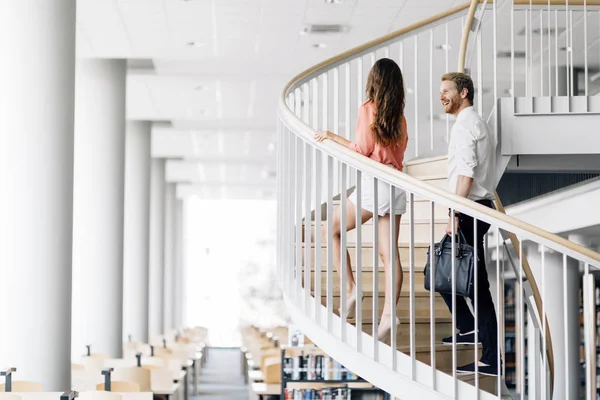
{"x":314,"y":179}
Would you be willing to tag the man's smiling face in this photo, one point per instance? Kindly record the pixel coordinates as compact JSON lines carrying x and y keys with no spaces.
{"x":450,"y":98}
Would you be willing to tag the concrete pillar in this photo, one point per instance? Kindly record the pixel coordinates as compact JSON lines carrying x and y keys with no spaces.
{"x":98,"y":206}
{"x":553,"y":288}
{"x":178,"y":283}
{"x":137,"y":231}
{"x":157,"y":225}
{"x":37,"y":77}
{"x":169,"y":279}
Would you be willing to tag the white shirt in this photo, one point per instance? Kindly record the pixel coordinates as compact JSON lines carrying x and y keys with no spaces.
{"x":472,"y":153}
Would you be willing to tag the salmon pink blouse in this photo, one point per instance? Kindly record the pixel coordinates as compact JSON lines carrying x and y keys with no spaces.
{"x":365,"y":141}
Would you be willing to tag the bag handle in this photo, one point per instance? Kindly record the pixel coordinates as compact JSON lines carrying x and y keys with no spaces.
{"x":460,"y":237}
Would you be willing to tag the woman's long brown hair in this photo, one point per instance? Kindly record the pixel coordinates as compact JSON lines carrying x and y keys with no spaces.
{"x":385,"y":87}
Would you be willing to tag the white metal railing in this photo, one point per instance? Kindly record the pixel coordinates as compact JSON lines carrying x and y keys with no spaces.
{"x":314,"y":178}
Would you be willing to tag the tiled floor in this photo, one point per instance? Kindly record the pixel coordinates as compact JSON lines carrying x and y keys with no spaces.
{"x":221,"y":377}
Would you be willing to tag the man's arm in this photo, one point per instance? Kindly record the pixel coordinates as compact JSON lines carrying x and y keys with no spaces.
{"x":463,"y":185}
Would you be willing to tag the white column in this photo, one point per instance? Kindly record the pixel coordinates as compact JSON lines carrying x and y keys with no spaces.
{"x":184,"y":268}
{"x":37,"y":81}
{"x":553,"y":289}
{"x":170,"y":203}
{"x":98,"y":206}
{"x":178,"y":267}
{"x":137,"y":230}
{"x":157,"y":225}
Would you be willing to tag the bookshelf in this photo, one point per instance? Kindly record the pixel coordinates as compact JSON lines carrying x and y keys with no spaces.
{"x":319,"y":377}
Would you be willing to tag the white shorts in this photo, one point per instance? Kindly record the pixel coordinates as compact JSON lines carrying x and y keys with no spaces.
{"x":383,"y":197}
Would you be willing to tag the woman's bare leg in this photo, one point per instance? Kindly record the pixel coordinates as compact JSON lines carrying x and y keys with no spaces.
{"x":350,"y":224}
{"x":385,"y":254}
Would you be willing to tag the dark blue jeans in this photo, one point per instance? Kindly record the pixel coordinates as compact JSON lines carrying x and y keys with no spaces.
{"x":488,"y":325}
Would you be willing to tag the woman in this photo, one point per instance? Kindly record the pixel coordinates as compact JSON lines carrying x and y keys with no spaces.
{"x":381,"y":134}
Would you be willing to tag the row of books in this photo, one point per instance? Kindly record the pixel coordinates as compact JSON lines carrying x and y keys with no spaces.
{"x":318,"y":394}
{"x":315,"y":367}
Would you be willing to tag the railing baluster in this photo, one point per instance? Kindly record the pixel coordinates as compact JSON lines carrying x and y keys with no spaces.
{"x":512,"y":51}
{"x":549,"y":52}
{"x":542,"y":52}
{"x":500,"y":326}
{"x":556,"y":52}
{"x":329,"y":243}
{"x":343,"y":248}
{"x":476,"y":304}
{"x":358,"y":247}
{"x":318,"y":238}
{"x":308,"y":150}
{"x":291,"y":139}
{"x":386,"y":51}
{"x":315,"y":103}
{"x":392,"y":270}
{"x":375,"y":271}
{"x":298,"y":221}
{"x":401,"y":56}
{"x":479,"y":74}
{"x":305,"y":104}
{"x":531,"y":53}
{"x":411,"y":269}
{"x":432,"y":298}
{"x":447,"y":50}
{"x":566,"y":325}
{"x":589,"y":323}
{"x":416,"y":92}
{"x":527,"y":53}
{"x":522,"y":314}
{"x":570,"y":53}
{"x":585,"y":45}
{"x":359,"y":81}
{"x":431,"y":89}
{"x":567,"y":49}
{"x":347,"y":102}
{"x":453,"y":278}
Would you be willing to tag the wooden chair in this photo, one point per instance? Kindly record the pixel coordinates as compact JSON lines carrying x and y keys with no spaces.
{"x":120,"y":386}
{"x":141,"y":376}
{"x":24,"y":386}
{"x":272,"y":370}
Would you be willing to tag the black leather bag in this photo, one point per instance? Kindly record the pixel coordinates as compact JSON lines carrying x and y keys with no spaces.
{"x":464,"y":264}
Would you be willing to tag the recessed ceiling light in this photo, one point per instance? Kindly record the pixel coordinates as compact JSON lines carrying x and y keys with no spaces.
{"x":271,"y":146}
{"x":200,"y":88}
{"x":409,"y":91}
{"x":319,"y":45}
{"x":195,"y":44}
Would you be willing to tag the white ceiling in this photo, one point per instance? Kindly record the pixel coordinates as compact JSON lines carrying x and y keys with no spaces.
{"x":216,"y":100}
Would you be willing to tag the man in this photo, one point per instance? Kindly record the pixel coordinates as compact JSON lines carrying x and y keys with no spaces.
{"x":471,"y":174}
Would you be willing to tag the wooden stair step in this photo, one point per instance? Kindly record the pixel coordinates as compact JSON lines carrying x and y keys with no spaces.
{"x":443,"y":328}
{"x":420,"y":255}
{"x":422,"y":232}
{"x":422,"y":306}
{"x":427,"y":166}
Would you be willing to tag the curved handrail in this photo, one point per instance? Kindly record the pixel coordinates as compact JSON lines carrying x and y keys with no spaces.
{"x":494,"y":217}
